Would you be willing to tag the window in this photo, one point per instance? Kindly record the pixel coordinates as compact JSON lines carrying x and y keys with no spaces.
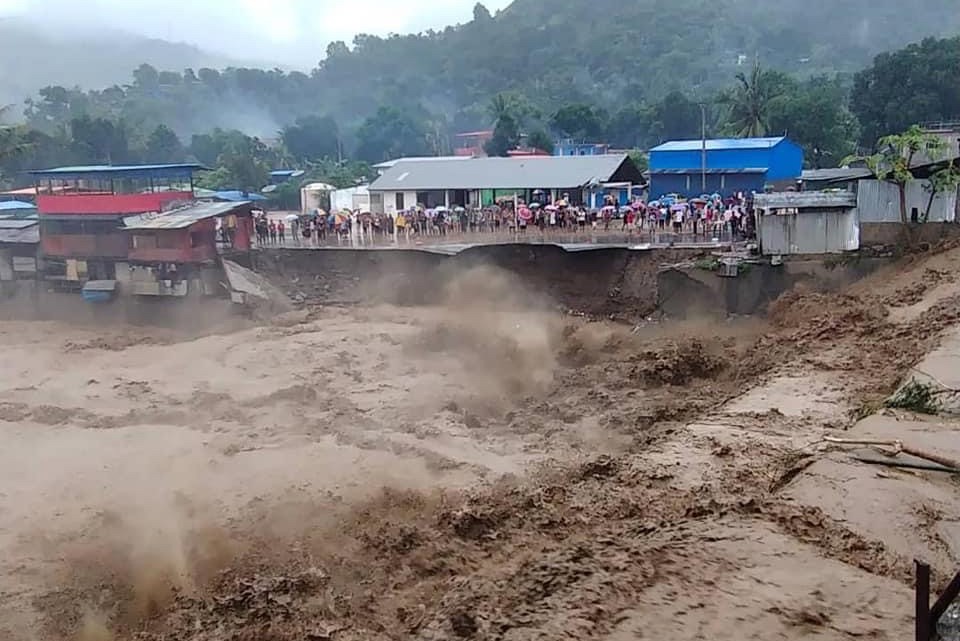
{"x":399,"y":201}
{"x":144,"y":242}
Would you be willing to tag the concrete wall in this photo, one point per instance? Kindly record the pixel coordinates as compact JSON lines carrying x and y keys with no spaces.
{"x":390,"y":201}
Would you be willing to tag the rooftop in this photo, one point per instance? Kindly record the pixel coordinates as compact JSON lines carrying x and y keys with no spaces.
{"x":236,"y":196}
{"x":390,"y":163}
{"x":709,"y":172}
{"x":120,"y":171}
{"x":818,"y":200}
{"x":183,"y":217}
{"x":720,"y":144}
{"x":20,"y":231}
{"x":16,"y":205}
{"x":546,"y":172}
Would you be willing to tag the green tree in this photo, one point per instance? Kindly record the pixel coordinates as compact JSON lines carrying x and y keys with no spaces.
{"x":506,"y":136}
{"x":640,"y":159}
{"x":942,"y":181}
{"x":218,"y":179}
{"x":312,"y":137}
{"x":894,"y":163}
{"x":676,"y":117}
{"x":750,"y":101}
{"x":540,"y":140}
{"x":391,"y":133}
{"x":919,"y":83}
{"x":505,"y":112}
{"x":248,"y":174}
{"x":580,"y":121}
{"x":98,"y":140}
{"x":13,"y":143}
{"x":163,"y":145}
{"x":814,"y":114}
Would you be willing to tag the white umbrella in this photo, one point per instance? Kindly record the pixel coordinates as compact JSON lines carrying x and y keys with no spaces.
{"x":291,"y":217}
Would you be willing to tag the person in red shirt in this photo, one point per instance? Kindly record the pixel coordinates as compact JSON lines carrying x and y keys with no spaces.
{"x":282,"y":232}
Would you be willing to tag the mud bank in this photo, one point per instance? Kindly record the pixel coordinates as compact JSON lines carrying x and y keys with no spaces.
{"x":611,"y":282}
{"x":690,"y":292}
{"x":617,"y":282}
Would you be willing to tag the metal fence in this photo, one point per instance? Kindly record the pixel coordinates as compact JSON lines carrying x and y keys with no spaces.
{"x":879,"y":202}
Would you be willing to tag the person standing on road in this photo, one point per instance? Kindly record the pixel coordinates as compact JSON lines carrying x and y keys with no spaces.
{"x":282,"y":232}
{"x":677,"y":219}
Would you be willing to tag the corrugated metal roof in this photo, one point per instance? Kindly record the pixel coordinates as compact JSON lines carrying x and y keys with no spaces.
{"x":23,"y":235}
{"x":837,"y":174}
{"x":15,"y":223}
{"x":181,"y":218}
{"x":709,"y":172}
{"x":391,"y":163}
{"x":806,"y":200}
{"x":720,"y":144}
{"x":547,"y":172}
{"x":237,"y":196}
{"x":119,"y":171}
{"x":13,"y":205}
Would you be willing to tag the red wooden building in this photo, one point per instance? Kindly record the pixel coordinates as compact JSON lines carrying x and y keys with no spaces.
{"x":175,"y":253}
{"x":82,"y":210}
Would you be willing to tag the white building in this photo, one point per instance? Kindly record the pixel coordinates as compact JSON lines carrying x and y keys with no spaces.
{"x":475,"y":182}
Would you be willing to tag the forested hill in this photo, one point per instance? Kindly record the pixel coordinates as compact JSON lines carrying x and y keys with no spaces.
{"x":553,"y":52}
{"x":632,"y":73}
{"x":35,"y":56}
{"x":610,"y":51}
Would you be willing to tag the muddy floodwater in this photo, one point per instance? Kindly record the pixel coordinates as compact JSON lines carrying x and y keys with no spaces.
{"x":483,"y":467}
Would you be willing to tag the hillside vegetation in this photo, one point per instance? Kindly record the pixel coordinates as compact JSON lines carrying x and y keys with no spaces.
{"x":630,"y":73}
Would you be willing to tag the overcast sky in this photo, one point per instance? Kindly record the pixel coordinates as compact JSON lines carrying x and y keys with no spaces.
{"x":293,"y":32}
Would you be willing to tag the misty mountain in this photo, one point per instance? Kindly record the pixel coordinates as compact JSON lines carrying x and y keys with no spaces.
{"x":39,"y":55}
{"x":612,"y":54}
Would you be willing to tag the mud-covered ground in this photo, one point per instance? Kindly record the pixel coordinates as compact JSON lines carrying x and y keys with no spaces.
{"x":480,"y":469}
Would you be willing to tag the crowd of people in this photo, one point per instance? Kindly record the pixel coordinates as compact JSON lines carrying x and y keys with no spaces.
{"x":711,"y":216}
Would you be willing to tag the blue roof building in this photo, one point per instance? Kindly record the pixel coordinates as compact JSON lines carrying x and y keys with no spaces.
{"x":732,"y":165}
{"x":570,"y":148}
{"x":278,"y":176}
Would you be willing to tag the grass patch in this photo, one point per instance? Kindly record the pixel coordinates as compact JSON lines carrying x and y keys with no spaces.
{"x":710,"y":263}
{"x":917,"y":397}
{"x":867,"y":408}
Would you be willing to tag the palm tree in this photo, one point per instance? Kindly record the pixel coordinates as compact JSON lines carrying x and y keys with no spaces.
{"x":12,"y":141}
{"x":499,"y":107}
{"x":750,"y":101}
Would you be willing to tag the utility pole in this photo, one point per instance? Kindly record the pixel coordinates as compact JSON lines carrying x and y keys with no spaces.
{"x":703,"y":148}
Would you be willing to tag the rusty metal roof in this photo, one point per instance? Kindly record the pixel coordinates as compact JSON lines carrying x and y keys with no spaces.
{"x":183,"y":217}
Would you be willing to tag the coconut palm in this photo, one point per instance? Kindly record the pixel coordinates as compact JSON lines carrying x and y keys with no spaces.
{"x":749,"y":102}
{"x":12,"y":142}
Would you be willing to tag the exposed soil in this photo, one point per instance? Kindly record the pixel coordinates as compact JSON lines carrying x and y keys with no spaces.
{"x":476,"y":469}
